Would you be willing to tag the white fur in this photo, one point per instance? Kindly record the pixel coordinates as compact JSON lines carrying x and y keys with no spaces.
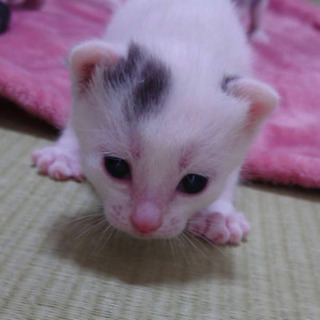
{"x":201,"y":42}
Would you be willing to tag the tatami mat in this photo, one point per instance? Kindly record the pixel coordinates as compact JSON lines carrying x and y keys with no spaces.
{"x":53,"y":266}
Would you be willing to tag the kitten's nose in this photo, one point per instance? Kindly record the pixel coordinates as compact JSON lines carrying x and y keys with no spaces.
{"x":146,"y":217}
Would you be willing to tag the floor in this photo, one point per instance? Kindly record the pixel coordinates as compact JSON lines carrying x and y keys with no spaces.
{"x":58,"y":262}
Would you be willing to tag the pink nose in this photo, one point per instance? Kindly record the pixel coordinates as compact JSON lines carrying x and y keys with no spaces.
{"x":146,"y":218}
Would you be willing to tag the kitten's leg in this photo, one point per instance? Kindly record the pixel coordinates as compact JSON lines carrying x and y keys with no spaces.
{"x":221,"y":223}
{"x":257,"y":8}
{"x":62,"y":160}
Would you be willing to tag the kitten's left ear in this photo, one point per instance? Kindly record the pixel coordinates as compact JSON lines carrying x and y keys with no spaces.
{"x":262,"y":98}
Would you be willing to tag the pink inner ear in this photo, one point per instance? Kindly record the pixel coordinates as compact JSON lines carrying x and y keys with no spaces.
{"x":257,"y":113}
{"x":86,"y":72}
{"x":86,"y":56}
{"x":263,"y":99}
{"x":84,"y":62}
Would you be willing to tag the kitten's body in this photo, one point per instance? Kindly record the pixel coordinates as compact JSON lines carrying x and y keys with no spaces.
{"x":166,"y":90}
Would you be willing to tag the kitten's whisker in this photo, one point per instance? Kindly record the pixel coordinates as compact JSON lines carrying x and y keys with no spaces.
{"x":195,"y":247}
{"x":95,"y":226}
{"x":171,"y":246}
{"x":100,"y":240}
{"x":185,"y":245}
{"x":108,"y":227}
{"x":217,"y":247}
{"x":112,"y":232}
{"x":86,"y":217}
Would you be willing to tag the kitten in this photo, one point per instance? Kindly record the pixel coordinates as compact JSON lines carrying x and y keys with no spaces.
{"x":164,"y":111}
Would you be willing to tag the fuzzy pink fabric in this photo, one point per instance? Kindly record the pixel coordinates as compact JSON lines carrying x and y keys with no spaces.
{"x":288,"y":149}
{"x":34,"y":54}
{"x":33,"y":74}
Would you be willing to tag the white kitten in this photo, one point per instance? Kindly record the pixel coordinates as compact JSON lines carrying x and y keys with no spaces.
{"x":163,"y":114}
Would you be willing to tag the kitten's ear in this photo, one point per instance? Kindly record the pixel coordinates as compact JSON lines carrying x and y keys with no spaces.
{"x":263,"y":99}
{"x":85,"y":57}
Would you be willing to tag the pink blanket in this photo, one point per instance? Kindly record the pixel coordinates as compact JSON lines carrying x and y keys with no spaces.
{"x":33,"y":74}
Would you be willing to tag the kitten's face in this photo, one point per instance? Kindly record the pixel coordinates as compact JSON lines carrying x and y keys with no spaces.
{"x":155,"y":174}
{"x":156,"y":147}
{"x":156,"y":181}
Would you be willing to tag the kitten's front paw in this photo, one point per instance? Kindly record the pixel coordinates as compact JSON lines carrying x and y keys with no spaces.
{"x":58,"y":163}
{"x":220,"y":228}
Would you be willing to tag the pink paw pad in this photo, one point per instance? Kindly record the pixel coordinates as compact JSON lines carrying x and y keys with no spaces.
{"x":58,"y":163}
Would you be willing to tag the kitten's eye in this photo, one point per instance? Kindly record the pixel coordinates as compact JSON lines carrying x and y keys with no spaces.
{"x":117,"y":168}
{"x":192,"y":184}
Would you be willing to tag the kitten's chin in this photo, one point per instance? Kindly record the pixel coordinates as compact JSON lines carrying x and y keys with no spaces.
{"x":155,"y":235}
{"x":161,"y":233}
{"x":158,"y":234}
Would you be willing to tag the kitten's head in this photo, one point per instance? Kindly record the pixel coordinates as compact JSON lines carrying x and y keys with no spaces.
{"x":157,"y":146}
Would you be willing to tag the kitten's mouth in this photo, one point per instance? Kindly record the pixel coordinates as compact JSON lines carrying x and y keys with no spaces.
{"x":143,"y":236}
{"x":155,"y":234}
{"x":128,"y":229}
{"x":144,"y":232}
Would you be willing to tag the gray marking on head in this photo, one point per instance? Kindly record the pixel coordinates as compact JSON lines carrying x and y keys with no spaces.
{"x":142,"y":81}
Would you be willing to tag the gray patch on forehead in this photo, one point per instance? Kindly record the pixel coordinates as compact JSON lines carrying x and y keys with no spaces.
{"x":141,"y":80}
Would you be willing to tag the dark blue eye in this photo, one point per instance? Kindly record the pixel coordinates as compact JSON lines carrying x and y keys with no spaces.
{"x":192,"y":183}
{"x":117,"y":168}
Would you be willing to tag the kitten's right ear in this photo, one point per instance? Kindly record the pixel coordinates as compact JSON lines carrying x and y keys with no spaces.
{"x":261,"y":97}
{"x":86,"y":56}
